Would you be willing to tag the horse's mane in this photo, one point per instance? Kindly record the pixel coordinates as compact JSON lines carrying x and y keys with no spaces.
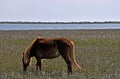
{"x":27,"y":50}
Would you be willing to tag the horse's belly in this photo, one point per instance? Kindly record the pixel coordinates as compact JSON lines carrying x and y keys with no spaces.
{"x":50,"y":55}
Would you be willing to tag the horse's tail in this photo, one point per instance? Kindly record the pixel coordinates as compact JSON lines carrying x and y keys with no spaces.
{"x":72,"y":56}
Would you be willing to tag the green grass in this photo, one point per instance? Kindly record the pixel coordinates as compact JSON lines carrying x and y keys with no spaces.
{"x":97,"y":51}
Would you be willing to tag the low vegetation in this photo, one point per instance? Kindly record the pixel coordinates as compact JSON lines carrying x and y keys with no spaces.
{"x":97,"y":51}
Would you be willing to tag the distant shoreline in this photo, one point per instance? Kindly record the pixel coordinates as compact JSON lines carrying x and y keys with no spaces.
{"x":85,"y":22}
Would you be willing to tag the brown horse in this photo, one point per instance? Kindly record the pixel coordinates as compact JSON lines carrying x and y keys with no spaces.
{"x":48,"y":48}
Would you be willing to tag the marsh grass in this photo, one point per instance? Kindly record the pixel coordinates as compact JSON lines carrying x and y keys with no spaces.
{"x":97,"y":51}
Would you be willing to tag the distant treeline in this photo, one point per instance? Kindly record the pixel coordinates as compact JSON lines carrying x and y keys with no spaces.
{"x":85,"y":22}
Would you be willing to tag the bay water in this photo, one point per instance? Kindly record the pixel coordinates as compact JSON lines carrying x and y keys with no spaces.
{"x":57,"y":26}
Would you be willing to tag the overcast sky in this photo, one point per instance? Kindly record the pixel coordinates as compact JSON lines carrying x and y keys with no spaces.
{"x":59,"y":10}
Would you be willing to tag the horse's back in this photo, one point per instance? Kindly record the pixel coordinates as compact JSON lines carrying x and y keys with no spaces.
{"x":51,"y":40}
{"x":60,"y":43}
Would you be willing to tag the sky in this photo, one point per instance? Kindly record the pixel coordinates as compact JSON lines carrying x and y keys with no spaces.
{"x":59,"y":10}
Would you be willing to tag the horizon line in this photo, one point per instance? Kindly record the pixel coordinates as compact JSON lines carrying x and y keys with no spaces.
{"x":39,"y":22}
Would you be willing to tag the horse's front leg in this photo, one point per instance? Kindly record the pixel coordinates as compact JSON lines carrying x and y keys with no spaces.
{"x":38,"y":64}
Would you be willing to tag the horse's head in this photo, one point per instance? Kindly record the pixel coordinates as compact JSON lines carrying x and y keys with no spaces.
{"x":27,"y":55}
{"x":26,"y":59}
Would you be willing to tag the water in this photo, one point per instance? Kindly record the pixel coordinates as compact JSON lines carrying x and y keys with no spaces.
{"x":57,"y":26}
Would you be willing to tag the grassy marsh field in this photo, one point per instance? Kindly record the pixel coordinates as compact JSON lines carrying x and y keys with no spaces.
{"x":98,"y":51}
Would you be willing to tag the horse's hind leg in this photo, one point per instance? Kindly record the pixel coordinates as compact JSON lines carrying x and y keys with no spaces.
{"x":67,"y":60}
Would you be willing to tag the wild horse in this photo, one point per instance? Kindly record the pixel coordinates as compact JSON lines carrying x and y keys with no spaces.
{"x":48,"y":48}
